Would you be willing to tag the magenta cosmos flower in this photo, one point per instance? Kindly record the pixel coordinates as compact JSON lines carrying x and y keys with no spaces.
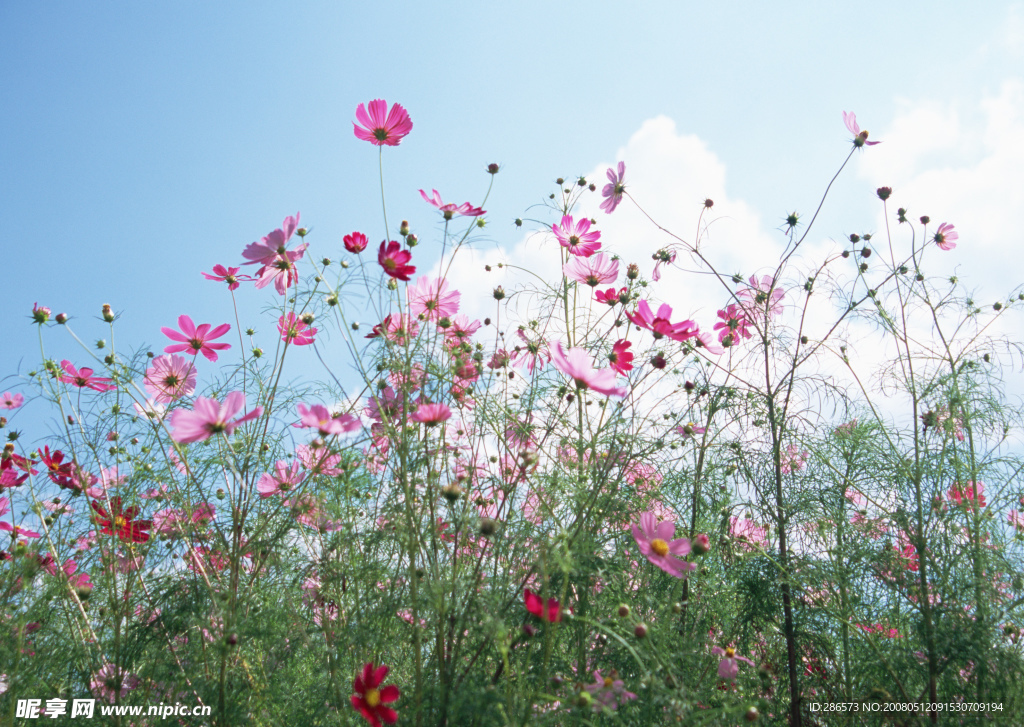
{"x":170,"y":378}
{"x":551,"y":612}
{"x":655,"y":541}
{"x":612,"y":191}
{"x":294,"y":330}
{"x":11,"y":401}
{"x":450,"y":210}
{"x":112,"y":682}
{"x":208,"y":417}
{"x":370,"y":698}
{"x":733,"y":325}
{"x":379,"y":126}
{"x":576,"y":364}
{"x":761,"y":297}
{"x":277,"y":260}
{"x":431,"y":414}
{"x":394,"y":260}
{"x":282,"y":481}
{"x":597,"y":270}
{"x":228,"y":275}
{"x":620,"y":359}
{"x":945,"y":236}
{"x":355,"y":243}
{"x":576,"y":237}
{"x":729,"y":666}
{"x":860,"y":138}
{"x":661,"y":325}
{"x":430,"y":297}
{"x":196,"y":339}
{"x":83,"y":378}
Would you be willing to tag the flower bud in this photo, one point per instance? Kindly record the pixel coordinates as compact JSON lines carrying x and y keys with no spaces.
{"x":451,"y":492}
{"x":492,"y":168}
{"x":40,"y":314}
{"x":108,"y":314}
{"x":632,"y":271}
{"x":751,"y":715}
{"x":307,"y":318}
{"x":623,"y":611}
{"x":499,"y":293}
{"x":403,"y":230}
{"x":488,"y":526}
{"x":925,"y":219}
{"x":61,"y":318}
{"x":701,"y":544}
{"x":884,"y":193}
{"x":640,"y":631}
{"x":709,"y":203}
{"x":529,"y":630}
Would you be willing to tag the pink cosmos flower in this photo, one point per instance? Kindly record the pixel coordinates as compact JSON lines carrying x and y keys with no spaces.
{"x":319,"y":460}
{"x":705,"y":339}
{"x":534,"y":353}
{"x":207,"y":418}
{"x":228,"y":275}
{"x":370,"y":698}
{"x":17,"y":531}
{"x":397,"y":329}
{"x":576,"y":237}
{"x":430,"y":297}
{"x":393,"y":259}
{"x":170,"y":378}
{"x":576,"y":364}
{"x":40,"y":313}
{"x":860,"y":138}
{"x":317,"y":416}
{"x":450,"y":210}
{"x":666,"y":256}
{"x":612,"y":191}
{"x":761,"y":296}
{"x":282,"y":481}
{"x":612,"y":297}
{"x":457,"y":330}
{"x":945,"y":236}
{"x":278,"y":262}
{"x":608,"y":693}
{"x":355,"y":243}
{"x":660,"y":325}
{"x":11,"y":401}
{"x":113,"y":682}
{"x":83,"y":378}
{"x":196,"y":339}
{"x":793,"y":459}
{"x":150,"y":409}
{"x":729,"y":667}
{"x":747,"y":532}
{"x":431,"y":414}
{"x":655,"y":541}
{"x":535,"y":605}
{"x":620,"y":359}
{"x":733,"y":325}
{"x":1016,"y":519}
{"x":968,"y":495}
{"x":379,"y":126}
{"x":294,"y":330}
{"x":597,"y":270}
{"x":688,"y":430}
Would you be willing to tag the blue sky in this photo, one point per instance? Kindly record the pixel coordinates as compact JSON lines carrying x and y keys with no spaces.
{"x":144,"y":143}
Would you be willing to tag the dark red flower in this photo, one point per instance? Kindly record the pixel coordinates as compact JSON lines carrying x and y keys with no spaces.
{"x":121,"y":523}
{"x":369,"y":699}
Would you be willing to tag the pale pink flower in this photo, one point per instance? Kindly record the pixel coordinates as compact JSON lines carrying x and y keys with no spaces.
{"x":860,"y":138}
{"x":533,"y":354}
{"x":747,"y":532}
{"x":397,"y":329}
{"x":431,"y":414}
{"x":208,"y":418}
{"x":655,"y":541}
{"x":431,"y":298}
{"x":945,"y":236}
{"x":11,"y":401}
{"x":112,"y":682}
{"x":196,"y":338}
{"x":660,"y":325}
{"x":688,"y":430}
{"x":608,"y":693}
{"x":379,"y":126}
{"x":597,"y":270}
{"x":228,"y":275}
{"x":83,"y":378}
{"x":295,"y":331}
{"x":170,"y":378}
{"x":793,"y":459}
{"x":450,"y":210}
{"x":1016,"y":519}
{"x":150,"y":409}
{"x":319,"y":417}
{"x":458,"y":329}
{"x":577,"y":364}
{"x":319,"y":460}
{"x":762,"y":296}
{"x":576,"y":236}
{"x":666,"y":256}
{"x":728,"y":667}
{"x":282,"y":481}
{"x":612,"y":191}
{"x":278,"y":262}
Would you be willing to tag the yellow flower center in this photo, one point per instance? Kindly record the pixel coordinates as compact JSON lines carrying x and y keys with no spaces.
{"x":372,"y":697}
{"x":659,"y":546}
{"x":120,"y":521}
{"x":608,"y":682}
{"x":730,"y":653}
